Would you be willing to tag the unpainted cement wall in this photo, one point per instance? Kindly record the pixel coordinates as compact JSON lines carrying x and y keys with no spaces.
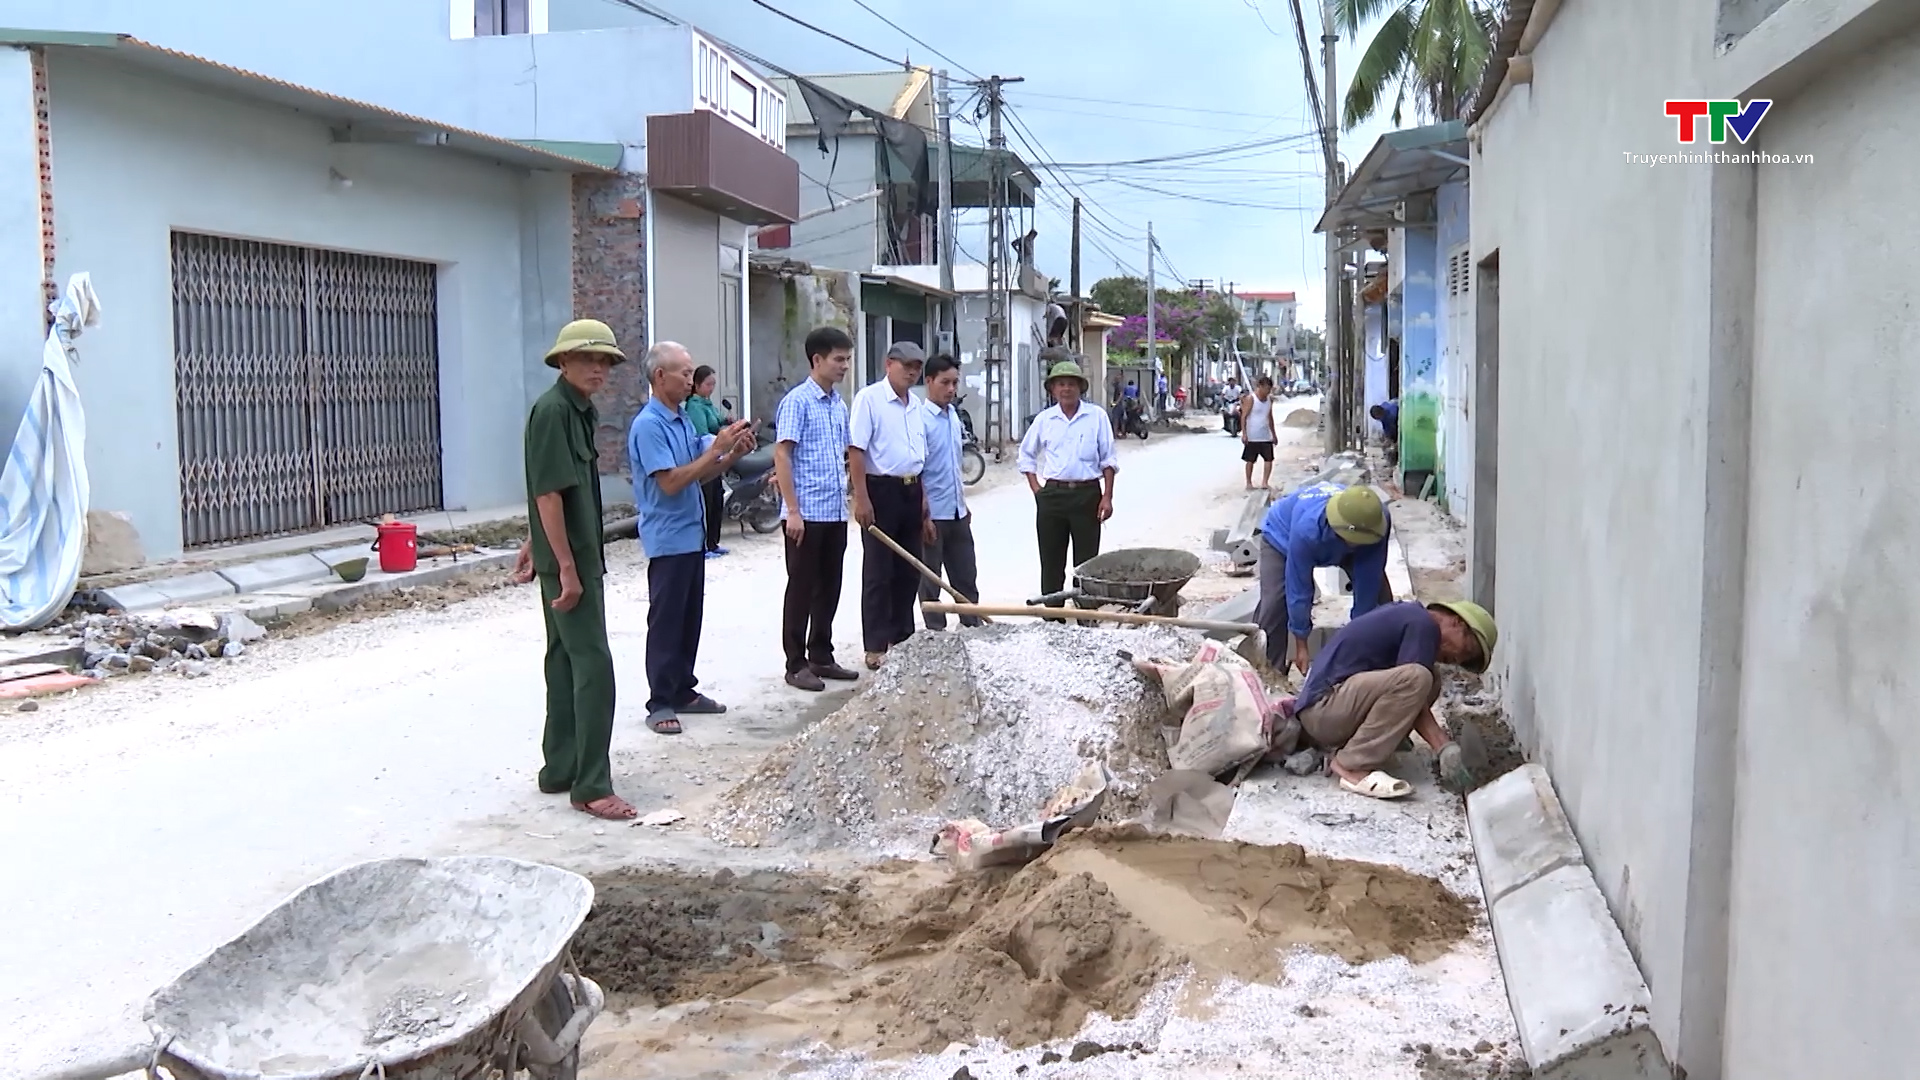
{"x":1827,"y":834}
{"x":783,"y":313}
{"x":1603,"y":338}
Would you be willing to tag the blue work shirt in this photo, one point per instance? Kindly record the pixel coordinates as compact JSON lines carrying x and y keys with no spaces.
{"x":1297,"y":528}
{"x":1390,"y":424}
{"x":946,"y":500}
{"x":1131,"y":391}
{"x":661,"y":439}
{"x":1382,"y":639}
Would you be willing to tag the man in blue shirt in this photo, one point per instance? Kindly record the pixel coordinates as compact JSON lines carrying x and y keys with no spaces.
{"x":810,"y":465}
{"x":1388,"y":414}
{"x":1324,"y":524}
{"x":664,"y":449}
{"x":1375,"y":682}
{"x":949,"y":539}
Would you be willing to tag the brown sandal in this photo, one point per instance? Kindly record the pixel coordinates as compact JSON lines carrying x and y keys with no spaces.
{"x":608,"y":808}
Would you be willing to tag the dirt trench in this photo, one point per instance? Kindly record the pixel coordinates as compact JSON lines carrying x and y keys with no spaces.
{"x":908,"y":957}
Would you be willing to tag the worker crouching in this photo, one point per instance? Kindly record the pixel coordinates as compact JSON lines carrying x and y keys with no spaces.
{"x":1375,"y":682}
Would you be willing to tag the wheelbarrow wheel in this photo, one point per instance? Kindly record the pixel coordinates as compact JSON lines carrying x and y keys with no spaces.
{"x":552,"y":1012}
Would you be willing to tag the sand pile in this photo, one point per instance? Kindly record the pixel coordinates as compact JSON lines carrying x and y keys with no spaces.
{"x":909,"y":958}
{"x":1301,"y":418}
{"x":987,"y":724}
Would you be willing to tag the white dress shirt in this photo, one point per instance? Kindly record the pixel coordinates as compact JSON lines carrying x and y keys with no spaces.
{"x":1076,"y":448}
{"x":889,"y":429}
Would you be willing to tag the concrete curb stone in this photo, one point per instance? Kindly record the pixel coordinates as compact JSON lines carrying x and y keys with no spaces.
{"x":1578,"y":999}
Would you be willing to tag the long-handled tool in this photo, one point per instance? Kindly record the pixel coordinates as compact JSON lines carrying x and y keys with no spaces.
{"x":1079,"y":615}
{"x":925,"y":570}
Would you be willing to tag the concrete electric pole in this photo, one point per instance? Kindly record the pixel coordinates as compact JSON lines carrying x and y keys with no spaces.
{"x":1333,"y":404}
{"x":949,"y":318}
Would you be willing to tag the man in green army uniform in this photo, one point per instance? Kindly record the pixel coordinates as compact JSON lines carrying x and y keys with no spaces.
{"x":565,"y":552}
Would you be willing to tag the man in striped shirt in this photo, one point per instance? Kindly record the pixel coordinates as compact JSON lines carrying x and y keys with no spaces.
{"x":809,"y":461}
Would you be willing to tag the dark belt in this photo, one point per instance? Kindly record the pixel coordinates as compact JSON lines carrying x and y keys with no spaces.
{"x":1073,"y":483}
{"x":902,"y":480}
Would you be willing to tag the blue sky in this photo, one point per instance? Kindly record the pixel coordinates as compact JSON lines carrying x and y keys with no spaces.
{"x":1116,"y":80}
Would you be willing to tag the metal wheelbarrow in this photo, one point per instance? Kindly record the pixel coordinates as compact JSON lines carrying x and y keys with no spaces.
{"x":1143,"y":580}
{"x":429,"y":969}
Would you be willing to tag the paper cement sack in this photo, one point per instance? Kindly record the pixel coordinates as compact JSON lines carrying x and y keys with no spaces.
{"x":1228,"y":714}
{"x":972,"y":845}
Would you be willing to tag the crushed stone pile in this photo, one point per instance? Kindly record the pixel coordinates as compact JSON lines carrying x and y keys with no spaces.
{"x":984,"y":724}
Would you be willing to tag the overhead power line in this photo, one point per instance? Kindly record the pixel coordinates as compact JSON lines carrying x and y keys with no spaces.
{"x":1152,"y":105}
{"x":854,"y":45}
{"x":904,"y":32}
{"x":1190,"y":155}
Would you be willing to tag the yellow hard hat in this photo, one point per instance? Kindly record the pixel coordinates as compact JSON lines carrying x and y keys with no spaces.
{"x":1357,"y":515}
{"x":1480,"y":621}
{"x":585,"y":336}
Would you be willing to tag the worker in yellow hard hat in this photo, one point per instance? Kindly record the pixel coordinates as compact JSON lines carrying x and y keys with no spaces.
{"x":1375,"y":682}
{"x":1323,"y":524}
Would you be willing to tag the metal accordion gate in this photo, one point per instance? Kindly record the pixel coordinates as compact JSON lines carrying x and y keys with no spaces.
{"x":308,"y":387}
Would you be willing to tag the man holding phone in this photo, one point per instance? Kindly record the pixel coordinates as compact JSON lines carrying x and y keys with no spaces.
{"x":669,"y":465}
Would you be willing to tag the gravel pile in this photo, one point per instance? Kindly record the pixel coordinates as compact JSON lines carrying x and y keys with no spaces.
{"x":987,"y":723}
{"x":181,"y":642}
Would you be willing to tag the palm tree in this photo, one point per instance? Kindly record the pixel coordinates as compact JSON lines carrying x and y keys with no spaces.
{"x":1433,"y":50}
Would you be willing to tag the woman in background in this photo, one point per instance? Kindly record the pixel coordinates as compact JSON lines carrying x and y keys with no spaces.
{"x":707,"y":420}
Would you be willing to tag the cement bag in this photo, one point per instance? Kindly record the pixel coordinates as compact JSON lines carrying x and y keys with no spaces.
{"x":974,"y":845}
{"x":1227,"y":713}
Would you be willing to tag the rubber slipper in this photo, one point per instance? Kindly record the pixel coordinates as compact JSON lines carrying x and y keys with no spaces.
{"x":663,"y":722}
{"x":701,"y":705}
{"x":1378,"y":785}
{"x":608,"y":808}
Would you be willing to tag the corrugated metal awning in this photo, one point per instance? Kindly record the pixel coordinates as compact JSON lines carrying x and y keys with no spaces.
{"x":1401,"y":164}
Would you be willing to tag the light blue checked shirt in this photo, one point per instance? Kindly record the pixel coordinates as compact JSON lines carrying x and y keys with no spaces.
{"x":815,"y":422}
{"x":946,"y":500}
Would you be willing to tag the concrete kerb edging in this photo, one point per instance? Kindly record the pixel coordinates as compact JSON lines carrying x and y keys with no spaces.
{"x":1578,"y":999}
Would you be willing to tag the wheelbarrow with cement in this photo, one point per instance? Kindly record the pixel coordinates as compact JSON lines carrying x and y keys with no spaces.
{"x":1143,"y":580}
{"x":428,"y":969}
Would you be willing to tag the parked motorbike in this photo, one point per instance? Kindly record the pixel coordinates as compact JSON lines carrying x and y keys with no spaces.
{"x":1133,"y":419}
{"x":748,"y":493}
{"x":973,"y":463}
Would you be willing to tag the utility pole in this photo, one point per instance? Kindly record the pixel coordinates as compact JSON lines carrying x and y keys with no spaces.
{"x":999,"y":289}
{"x":949,"y":317}
{"x":1073,"y":283}
{"x":1153,"y":336}
{"x":1335,"y":404}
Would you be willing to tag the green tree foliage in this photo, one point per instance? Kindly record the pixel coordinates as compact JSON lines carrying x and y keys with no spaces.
{"x":1433,"y":51}
{"x":1120,"y":295}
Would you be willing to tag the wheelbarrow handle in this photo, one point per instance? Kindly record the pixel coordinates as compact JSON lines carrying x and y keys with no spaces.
{"x":544,"y":1050}
{"x":1054,"y":597}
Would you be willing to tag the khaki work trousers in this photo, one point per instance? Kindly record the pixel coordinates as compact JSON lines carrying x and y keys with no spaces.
{"x":1366,"y":716}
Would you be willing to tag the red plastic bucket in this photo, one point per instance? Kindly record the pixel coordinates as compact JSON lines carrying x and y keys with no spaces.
{"x":397,"y":544}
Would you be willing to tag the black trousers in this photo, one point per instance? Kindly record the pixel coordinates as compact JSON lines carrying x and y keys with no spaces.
{"x":676,"y":603}
{"x":715,"y":511}
{"x":814,"y":568}
{"x":888,"y":583}
{"x":1062,"y":513}
{"x":952,"y":556}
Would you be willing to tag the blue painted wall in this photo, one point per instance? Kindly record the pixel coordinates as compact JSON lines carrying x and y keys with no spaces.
{"x":1419,"y":382}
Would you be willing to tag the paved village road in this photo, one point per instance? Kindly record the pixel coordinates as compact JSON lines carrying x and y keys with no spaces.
{"x":146,"y":821}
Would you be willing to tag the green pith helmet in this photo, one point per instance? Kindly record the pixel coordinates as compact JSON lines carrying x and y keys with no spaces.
{"x":1356,"y":514}
{"x":1478,"y":620}
{"x":585,"y":336}
{"x":1066,"y":369}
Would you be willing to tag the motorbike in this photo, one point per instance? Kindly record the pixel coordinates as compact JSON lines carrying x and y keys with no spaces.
{"x":1133,"y":419}
{"x":973,"y":463}
{"x":748,"y":493}
{"x":1230,"y":416}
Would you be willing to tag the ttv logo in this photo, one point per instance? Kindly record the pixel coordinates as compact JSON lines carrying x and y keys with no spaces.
{"x":1721,"y":116}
